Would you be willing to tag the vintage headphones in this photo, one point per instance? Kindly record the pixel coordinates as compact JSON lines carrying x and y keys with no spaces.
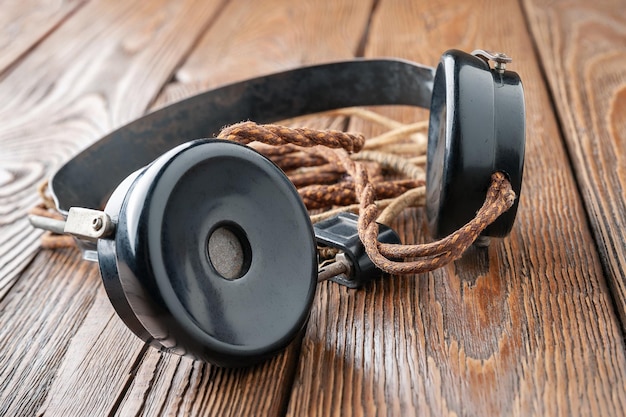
{"x":205,"y":247}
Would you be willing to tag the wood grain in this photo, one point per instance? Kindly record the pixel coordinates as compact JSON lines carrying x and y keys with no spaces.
{"x":74,"y":89}
{"x":170,"y":385}
{"x":583,"y":49}
{"x":103,"y":67}
{"x":25,"y":23}
{"x":253,"y":38}
{"x":98,"y":362}
{"x":39,"y":317}
{"x":525,"y":328}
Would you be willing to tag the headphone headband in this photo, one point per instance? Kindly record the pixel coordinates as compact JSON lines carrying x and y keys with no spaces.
{"x":90,"y":177}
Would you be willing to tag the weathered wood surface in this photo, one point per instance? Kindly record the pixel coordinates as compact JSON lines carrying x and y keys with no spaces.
{"x":254,"y":38}
{"x":527,"y":327}
{"x":24,"y":23}
{"x":583,"y":50}
{"x":98,"y":71}
{"x":507,"y":332}
{"x":102,"y":68}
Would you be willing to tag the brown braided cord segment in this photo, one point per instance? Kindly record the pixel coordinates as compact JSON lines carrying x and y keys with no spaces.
{"x":393,"y":162}
{"x":271,"y":151}
{"x":500,"y":198}
{"x":325,"y":174}
{"x":247,"y":132}
{"x":297,"y":160}
{"x":344,"y":193}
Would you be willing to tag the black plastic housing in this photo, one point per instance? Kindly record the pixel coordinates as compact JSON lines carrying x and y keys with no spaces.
{"x":158,"y":274}
{"x":477,"y":127}
{"x":341,"y":232}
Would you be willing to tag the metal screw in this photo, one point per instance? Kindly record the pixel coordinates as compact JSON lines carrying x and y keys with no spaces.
{"x":500,"y":62}
{"x":97,"y":223}
{"x":500,"y":59}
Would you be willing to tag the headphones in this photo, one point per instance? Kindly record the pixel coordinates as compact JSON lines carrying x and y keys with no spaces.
{"x":205,"y":247}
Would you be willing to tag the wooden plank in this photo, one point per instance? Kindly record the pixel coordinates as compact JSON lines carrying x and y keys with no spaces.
{"x":97,"y":363}
{"x":38,"y":321}
{"x":76,"y":88}
{"x":24,"y":23}
{"x":171,"y":385}
{"x":503,"y":333}
{"x":583,"y":48}
{"x":270,"y":37}
{"x":102,"y":68}
{"x":102,"y":351}
{"x":525,"y":328}
{"x":278,"y":35}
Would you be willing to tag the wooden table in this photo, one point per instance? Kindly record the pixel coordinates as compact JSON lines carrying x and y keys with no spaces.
{"x":533,"y":326}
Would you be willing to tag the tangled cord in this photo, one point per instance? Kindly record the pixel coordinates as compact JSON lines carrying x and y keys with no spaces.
{"x":500,"y":197}
{"x":338,"y":171}
{"x":321,"y":188}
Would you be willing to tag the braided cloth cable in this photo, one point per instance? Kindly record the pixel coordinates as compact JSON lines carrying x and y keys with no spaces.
{"x":500,"y":197}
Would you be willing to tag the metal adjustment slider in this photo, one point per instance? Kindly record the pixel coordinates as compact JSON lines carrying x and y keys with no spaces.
{"x":500,"y":59}
{"x":82,"y":223}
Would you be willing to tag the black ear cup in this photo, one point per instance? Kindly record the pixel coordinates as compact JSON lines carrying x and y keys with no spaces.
{"x":477,"y":127}
{"x":214,"y":254}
